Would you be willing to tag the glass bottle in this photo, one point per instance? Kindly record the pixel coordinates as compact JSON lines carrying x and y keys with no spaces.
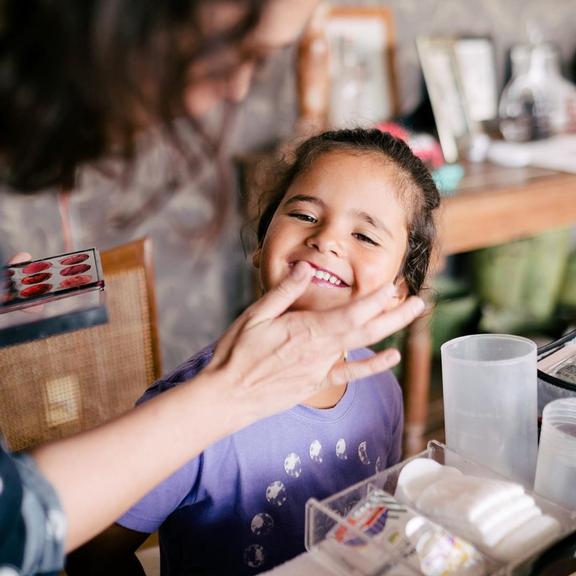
{"x":537,"y":102}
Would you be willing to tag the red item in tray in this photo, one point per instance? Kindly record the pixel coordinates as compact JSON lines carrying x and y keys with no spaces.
{"x":23,"y":284}
{"x":74,"y":281}
{"x":36,"y":278}
{"x":75,"y":259}
{"x":35,"y":290}
{"x":34,"y":267}
{"x":75,"y":269}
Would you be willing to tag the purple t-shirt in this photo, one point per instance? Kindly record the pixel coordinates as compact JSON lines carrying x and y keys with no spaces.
{"x":238,"y":508}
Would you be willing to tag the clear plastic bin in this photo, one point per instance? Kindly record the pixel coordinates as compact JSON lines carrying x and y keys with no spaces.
{"x":370,"y":553}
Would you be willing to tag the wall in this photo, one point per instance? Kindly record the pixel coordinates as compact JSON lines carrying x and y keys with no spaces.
{"x":506,"y":21}
{"x":199,"y":287}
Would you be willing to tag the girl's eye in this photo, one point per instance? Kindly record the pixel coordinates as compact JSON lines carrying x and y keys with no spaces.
{"x":302,"y":216}
{"x":363,"y":238}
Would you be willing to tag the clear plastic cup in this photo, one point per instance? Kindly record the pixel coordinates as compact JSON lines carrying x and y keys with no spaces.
{"x":556,"y":468}
{"x":490,"y":402}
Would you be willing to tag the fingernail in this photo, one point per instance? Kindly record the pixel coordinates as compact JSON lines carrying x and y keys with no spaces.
{"x":393,"y":357}
{"x":418,"y":305}
{"x":298,"y":272}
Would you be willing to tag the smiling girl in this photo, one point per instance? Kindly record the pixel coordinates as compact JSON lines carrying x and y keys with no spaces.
{"x":357,"y":206}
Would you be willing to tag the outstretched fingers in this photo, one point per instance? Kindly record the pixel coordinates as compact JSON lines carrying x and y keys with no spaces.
{"x":365,"y":321}
{"x":382,"y":325}
{"x":276,"y":346}
{"x":345,"y":372}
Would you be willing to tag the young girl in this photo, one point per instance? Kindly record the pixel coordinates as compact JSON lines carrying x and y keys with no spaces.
{"x":357,"y":206}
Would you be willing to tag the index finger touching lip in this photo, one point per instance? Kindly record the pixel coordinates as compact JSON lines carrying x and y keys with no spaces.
{"x":279,"y":299}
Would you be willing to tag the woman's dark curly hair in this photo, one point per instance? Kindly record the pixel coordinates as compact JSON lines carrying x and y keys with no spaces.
{"x":416,"y":186}
{"x":72,"y":72}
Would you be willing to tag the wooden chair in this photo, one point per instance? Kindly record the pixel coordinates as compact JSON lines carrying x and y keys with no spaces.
{"x":57,"y":386}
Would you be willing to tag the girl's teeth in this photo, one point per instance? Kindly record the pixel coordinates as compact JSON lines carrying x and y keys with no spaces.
{"x":327,"y":277}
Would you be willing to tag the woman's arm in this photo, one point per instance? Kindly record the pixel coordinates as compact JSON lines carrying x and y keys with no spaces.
{"x":99,"y":474}
{"x":113,"y":553}
{"x":266,"y":362}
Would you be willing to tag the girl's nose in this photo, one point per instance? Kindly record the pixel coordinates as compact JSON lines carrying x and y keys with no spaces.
{"x":325,"y":242}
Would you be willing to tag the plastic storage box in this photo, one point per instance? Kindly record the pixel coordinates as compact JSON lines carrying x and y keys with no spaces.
{"x":378,"y":546}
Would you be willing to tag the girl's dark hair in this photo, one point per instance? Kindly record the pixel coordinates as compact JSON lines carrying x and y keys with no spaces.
{"x":73,"y":71}
{"x":419,"y":192}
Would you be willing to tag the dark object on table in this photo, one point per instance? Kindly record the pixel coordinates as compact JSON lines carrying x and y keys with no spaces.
{"x":559,"y":560}
{"x":556,"y":363}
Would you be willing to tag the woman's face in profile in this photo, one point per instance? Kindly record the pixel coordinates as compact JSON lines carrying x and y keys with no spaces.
{"x":226,"y":75}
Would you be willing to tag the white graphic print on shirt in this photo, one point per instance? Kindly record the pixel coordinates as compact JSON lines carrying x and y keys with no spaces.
{"x":262,"y":524}
{"x":316,"y":451}
{"x":341,"y":449}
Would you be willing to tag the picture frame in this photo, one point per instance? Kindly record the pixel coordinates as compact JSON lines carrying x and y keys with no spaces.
{"x":476,"y":64}
{"x":443,"y":83}
{"x":351,"y":83}
{"x":460,"y":76}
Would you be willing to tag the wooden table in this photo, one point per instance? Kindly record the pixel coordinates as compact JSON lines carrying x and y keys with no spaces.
{"x":493,"y":205}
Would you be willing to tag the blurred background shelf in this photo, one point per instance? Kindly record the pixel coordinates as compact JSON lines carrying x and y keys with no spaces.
{"x":492,"y":206}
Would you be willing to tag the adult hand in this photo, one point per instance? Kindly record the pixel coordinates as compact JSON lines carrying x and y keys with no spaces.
{"x":276,"y":359}
{"x":20,"y":257}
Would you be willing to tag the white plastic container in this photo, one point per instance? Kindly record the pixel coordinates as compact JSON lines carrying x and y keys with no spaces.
{"x":556,"y":469}
{"x":370,"y":549}
{"x":490,"y":402}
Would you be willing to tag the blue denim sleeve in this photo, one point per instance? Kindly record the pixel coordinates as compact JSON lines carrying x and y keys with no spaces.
{"x":32,"y":524}
{"x":12,"y":528}
{"x":44,"y":521}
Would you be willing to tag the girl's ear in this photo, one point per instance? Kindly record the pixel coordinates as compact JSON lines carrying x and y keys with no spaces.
{"x":256,"y":258}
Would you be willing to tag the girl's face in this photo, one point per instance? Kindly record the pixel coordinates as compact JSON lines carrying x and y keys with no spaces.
{"x":342,"y":216}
